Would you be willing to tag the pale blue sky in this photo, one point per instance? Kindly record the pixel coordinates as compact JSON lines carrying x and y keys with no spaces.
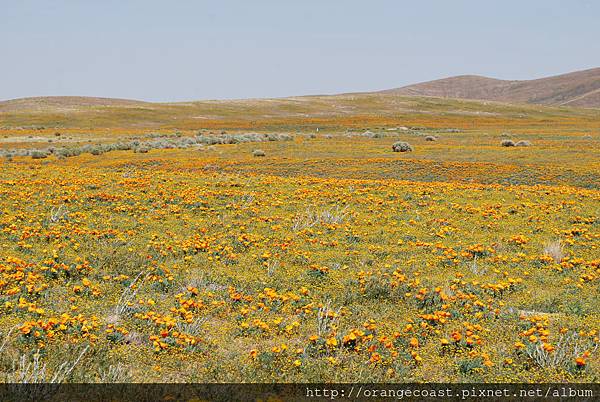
{"x":187,"y":50}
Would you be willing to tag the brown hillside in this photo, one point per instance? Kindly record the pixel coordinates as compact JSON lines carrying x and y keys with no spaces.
{"x":63,"y":103}
{"x":581,"y":88}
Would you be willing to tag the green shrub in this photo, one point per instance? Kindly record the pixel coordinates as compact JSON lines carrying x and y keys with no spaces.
{"x":402,"y":146}
{"x":39,"y":154}
{"x":97,"y":150}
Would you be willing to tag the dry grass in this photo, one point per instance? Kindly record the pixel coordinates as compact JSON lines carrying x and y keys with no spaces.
{"x":555,"y":250}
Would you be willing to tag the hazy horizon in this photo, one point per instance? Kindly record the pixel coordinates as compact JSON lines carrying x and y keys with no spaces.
{"x":185,"y":51}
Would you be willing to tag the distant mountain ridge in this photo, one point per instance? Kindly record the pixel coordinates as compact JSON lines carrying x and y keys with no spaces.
{"x":579,"y":89}
{"x":576,"y":89}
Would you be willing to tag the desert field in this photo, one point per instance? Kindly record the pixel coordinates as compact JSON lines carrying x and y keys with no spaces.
{"x":261,"y":241}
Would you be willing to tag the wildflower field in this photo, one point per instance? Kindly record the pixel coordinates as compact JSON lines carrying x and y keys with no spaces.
{"x":324,"y":257}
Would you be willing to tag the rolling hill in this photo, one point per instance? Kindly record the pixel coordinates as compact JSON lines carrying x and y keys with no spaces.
{"x":578,"y":89}
{"x":452,"y":101}
{"x":64,"y":103}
